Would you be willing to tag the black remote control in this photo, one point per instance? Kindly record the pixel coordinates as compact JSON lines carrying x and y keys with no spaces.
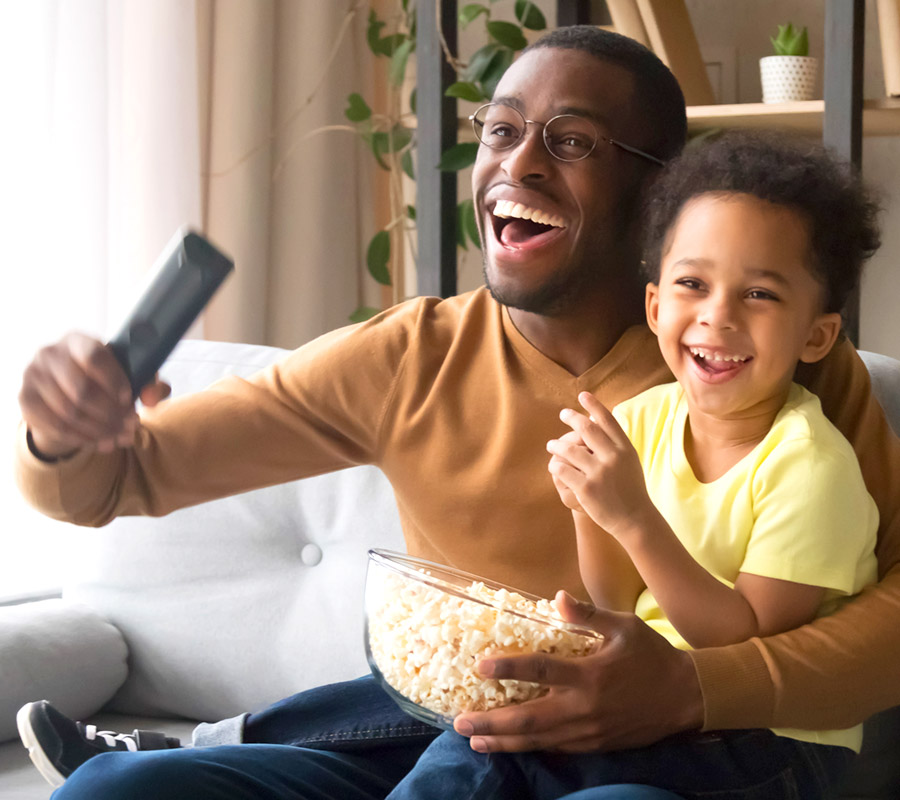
{"x":191,"y":270}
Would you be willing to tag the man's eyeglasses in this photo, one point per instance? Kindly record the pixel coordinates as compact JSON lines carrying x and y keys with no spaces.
{"x":568,"y":137}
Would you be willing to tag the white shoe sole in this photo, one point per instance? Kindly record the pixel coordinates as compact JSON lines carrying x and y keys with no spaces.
{"x":35,"y":751}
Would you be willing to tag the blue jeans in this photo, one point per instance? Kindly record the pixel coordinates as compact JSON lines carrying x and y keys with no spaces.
{"x":350,"y":741}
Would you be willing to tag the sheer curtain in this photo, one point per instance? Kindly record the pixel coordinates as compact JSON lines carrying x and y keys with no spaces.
{"x":124,"y":120}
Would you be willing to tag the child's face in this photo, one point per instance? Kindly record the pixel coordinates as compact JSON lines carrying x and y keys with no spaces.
{"x":736,"y":306}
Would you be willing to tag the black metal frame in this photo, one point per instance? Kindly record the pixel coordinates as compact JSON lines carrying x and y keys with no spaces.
{"x":436,"y":131}
{"x":842,"y":128}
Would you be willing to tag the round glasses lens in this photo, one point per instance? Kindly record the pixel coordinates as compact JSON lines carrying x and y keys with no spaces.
{"x":499,"y":126}
{"x":570,"y":138}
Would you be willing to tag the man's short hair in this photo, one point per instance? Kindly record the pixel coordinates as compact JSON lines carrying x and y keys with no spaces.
{"x":657,"y":96}
{"x":781,"y":169}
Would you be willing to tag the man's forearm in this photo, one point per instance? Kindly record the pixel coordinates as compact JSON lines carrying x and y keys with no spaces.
{"x":833,"y":673}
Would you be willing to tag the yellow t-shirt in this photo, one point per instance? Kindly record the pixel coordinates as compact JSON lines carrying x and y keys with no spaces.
{"x":795,"y":508}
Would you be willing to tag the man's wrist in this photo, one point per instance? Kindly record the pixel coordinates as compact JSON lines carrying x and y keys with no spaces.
{"x":47,"y":453}
{"x":693,"y":716}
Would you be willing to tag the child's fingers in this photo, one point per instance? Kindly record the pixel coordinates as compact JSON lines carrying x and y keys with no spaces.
{"x":569,"y":476}
{"x":594,"y":435}
{"x":575,"y":455}
{"x":603,"y":418}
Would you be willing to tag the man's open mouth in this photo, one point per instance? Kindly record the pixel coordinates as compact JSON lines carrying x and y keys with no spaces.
{"x":516,"y":224}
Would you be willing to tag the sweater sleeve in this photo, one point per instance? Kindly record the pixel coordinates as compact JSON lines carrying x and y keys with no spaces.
{"x":836,"y":671}
{"x":319,"y":409}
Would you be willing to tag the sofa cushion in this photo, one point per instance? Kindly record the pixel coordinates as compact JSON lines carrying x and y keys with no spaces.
{"x":231,"y":605}
{"x":885,"y":374}
{"x":59,"y":651}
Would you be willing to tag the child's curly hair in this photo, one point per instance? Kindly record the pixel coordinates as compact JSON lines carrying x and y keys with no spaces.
{"x":786,"y":171}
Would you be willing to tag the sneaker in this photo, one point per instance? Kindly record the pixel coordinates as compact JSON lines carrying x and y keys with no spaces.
{"x":58,"y":745}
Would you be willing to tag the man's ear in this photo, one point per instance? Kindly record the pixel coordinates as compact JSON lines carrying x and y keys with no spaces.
{"x":651,"y":304}
{"x":822,"y":335}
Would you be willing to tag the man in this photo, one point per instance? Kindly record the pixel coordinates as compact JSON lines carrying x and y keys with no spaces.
{"x":455,"y":400}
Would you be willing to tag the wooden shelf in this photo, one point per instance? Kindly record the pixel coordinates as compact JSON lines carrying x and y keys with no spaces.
{"x":880,"y":117}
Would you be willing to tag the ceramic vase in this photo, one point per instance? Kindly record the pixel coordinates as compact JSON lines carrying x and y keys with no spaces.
{"x":787,"y":78}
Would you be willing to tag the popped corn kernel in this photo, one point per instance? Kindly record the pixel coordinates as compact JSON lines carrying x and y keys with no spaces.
{"x":426,"y":643}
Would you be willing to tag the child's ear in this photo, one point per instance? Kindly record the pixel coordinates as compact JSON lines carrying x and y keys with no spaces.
{"x":651,"y":304}
{"x":822,"y":336}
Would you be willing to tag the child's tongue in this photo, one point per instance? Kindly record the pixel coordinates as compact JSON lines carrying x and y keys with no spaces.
{"x":719,"y":366}
{"x":519,"y":231}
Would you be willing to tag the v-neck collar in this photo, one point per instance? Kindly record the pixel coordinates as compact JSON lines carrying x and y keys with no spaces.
{"x":632,"y":341}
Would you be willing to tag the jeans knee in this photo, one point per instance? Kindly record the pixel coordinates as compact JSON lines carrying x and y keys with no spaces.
{"x":151,"y":775}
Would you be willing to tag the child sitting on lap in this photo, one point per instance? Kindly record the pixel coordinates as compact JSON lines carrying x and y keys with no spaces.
{"x":726,"y":506}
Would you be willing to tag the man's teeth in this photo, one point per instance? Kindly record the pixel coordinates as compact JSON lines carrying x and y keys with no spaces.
{"x":508,"y":208}
{"x":708,"y":356}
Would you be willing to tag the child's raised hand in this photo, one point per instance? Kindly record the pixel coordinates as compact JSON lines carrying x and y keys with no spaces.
{"x":565,"y":493}
{"x":600,"y":467}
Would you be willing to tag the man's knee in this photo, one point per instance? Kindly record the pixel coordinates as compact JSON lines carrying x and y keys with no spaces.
{"x":139,"y":776}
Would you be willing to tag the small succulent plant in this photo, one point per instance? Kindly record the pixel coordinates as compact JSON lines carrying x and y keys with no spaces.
{"x":791,"y":42}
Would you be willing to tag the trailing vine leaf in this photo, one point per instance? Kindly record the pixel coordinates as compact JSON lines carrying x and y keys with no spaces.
{"x":377,"y":147}
{"x":382,"y":45}
{"x":373,"y":32}
{"x":465,"y":90}
{"x":406,"y":164}
{"x":357,"y":108}
{"x":411,"y":212}
{"x":393,"y":142}
{"x":530,"y":16}
{"x":507,"y":33}
{"x":481,"y":61}
{"x":377,"y":256}
{"x":398,"y":61}
{"x":495,"y":69}
{"x":363,"y":313}
{"x":471,"y":11}
{"x":412,"y":101}
{"x":458,"y":157}
{"x":390,"y":44}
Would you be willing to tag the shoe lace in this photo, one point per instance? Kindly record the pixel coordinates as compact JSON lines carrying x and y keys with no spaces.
{"x":111,"y":737}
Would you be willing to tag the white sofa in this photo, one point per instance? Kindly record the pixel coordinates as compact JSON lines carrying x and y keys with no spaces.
{"x":226,"y":607}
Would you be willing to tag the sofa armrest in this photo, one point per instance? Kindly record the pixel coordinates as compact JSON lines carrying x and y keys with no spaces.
{"x":60,"y":651}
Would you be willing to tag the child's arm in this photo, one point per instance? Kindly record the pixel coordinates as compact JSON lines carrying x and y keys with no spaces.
{"x":606,"y":570}
{"x":605,"y":476}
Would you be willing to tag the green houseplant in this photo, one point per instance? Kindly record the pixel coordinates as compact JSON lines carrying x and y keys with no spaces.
{"x":790,"y":73}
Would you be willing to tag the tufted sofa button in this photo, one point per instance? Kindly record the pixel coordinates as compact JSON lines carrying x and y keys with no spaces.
{"x":311,"y":554}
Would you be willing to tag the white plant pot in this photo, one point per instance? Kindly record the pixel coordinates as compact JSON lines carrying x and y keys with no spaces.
{"x":787,"y":78}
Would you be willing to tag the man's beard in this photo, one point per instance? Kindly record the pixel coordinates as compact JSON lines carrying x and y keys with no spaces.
{"x":559,"y":294}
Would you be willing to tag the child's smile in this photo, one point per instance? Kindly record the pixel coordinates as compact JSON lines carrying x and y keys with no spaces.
{"x":737,"y":305}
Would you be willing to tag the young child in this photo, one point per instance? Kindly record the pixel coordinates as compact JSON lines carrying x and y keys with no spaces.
{"x":726,"y":506}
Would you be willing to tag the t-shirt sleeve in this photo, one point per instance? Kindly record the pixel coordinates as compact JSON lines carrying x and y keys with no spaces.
{"x":814,"y":520}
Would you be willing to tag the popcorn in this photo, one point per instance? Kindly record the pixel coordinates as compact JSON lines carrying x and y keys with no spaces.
{"x":426,"y":643}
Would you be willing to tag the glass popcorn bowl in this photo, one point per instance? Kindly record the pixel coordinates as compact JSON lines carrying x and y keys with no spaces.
{"x":428,"y":626}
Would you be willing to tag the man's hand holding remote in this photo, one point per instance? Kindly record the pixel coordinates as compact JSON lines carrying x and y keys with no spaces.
{"x":75,"y":394}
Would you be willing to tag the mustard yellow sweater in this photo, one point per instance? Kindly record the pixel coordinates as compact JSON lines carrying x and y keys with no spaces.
{"x":455,"y":406}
